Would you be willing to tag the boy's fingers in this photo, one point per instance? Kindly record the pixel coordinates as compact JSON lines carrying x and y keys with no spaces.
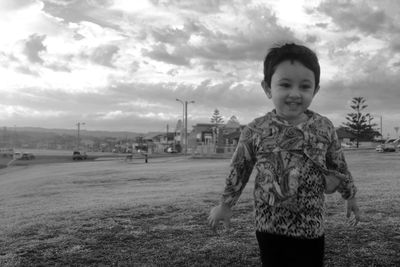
{"x":349,"y":210}
{"x":351,"y":221}
{"x":212,"y":226}
{"x":357,"y":214}
{"x":227,"y":223}
{"x":211,"y":222}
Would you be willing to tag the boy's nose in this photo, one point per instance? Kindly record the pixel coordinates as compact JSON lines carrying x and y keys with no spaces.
{"x":295,"y":92}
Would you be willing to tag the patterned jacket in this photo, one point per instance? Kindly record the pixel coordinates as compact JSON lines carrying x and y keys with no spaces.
{"x":292,"y":165}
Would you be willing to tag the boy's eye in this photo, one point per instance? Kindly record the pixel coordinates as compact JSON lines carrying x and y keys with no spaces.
{"x":305,"y":86}
{"x":285,"y":85}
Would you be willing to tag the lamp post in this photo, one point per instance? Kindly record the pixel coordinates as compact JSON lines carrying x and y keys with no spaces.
{"x":185,"y":104}
{"x":79,"y":139}
{"x":186,"y":135}
{"x":183,"y":120}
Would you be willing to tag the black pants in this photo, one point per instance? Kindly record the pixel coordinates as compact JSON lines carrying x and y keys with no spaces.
{"x":278,"y":250}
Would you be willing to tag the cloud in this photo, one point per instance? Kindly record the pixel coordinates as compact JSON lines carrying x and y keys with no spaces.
{"x":230,"y":96}
{"x":322,"y":25}
{"x":112,"y":115}
{"x":205,"y":6}
{"x":13,"y":5}
{"x":311,"y":38}
{"x":10,"y":111}
{"x":396,"y":64}
{"x":369,"y":19}
{"x":136,"y":122}
{"x":33,"y":47}
{"x":134,"y":67}
{"x":59,"y":67}
{"x":173,"y":35}
{"x":208,"y":40}
{"x":394,"y":45}
{"x":26,"y":70}
{"x":159,"y":53}
{"x":173,"y":72}
{"x":104,"y":55}
{"x":95,"y":11}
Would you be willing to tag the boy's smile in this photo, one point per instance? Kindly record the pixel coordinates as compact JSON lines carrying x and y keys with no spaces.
{"x":292,"y":90}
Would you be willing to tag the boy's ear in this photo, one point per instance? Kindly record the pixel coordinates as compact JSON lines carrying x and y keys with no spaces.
{"x":316,"y":90}
{"x":266,"y":89}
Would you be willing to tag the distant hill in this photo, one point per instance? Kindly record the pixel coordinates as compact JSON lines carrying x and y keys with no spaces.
{"x":99,"y":134}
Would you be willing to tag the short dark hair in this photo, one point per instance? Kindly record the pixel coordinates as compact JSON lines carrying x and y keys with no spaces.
{"x":293,"y":52}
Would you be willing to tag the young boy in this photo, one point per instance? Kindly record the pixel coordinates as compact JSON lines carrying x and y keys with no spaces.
{"x":297,"y":157}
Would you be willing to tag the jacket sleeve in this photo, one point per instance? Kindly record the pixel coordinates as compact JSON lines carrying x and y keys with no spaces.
{"x":335,"y":161}
{"x":241,"y":166}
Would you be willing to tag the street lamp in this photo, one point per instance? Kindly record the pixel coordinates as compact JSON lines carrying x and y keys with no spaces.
{"x":185,"y":104}
{"x":183,"y":120}
{"x":79,"y":140}
{"x":186,"y":133}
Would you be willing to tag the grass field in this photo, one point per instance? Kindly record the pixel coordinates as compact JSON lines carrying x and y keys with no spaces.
{"x":128,"y":213}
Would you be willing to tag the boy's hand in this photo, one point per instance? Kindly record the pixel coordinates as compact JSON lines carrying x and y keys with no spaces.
{"x":353,"y":207}
{"x":218,"y":213}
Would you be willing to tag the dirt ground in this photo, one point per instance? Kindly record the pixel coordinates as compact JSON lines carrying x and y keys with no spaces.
{"x":117,"y":212}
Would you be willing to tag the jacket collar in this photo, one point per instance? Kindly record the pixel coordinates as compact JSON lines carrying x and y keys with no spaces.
{"x":272,"y":116}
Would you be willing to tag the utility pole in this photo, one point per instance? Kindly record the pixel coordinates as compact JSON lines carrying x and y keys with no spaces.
{"x":167,"y":133}
{"x":186,"y":133}
{"x":79,"y":138}
{"x":183,"y":122}
{"x":185,"y":104}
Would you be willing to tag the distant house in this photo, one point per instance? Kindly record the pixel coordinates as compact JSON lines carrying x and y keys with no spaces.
{"x":233,"y":137}
{"x":344,"y":135}
{"x":222,"y":134}
{"x":159,"y":141}
{"x":202,"y":133}
{"x":159,"y":137}
{"x":178,"y":132}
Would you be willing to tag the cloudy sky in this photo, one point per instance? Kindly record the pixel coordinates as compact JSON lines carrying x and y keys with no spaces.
{"x":121,"y":64}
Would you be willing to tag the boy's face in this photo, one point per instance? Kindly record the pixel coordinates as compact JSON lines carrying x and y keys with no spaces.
{"x":292,"y":90}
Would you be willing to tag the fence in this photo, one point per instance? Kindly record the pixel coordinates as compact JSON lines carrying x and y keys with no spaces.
{"x":211,"y":150}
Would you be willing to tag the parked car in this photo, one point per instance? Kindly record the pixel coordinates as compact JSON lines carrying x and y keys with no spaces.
{"x":27,"y":156}
{"x":348,"y":145}
{"x":79,"y":155}
{"x":7,"y":152}
{"x":17,"y":155}
{"x":171,"y":150}
{"x":379,"y":148}
{"x":390,"y":145}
